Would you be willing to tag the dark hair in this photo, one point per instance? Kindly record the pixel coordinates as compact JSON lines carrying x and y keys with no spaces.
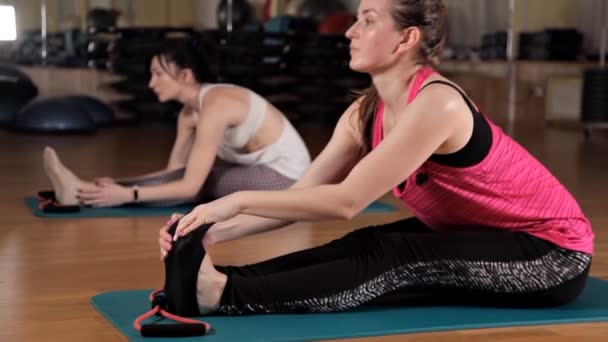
{"x":187,"y":53}
{"x":430,"y":17}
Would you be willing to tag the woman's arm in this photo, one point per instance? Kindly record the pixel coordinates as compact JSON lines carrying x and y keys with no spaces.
{"x":330,"y":167}
{"x":424,"y":126}
{"x":184,"y":140}
{"x":215,"y":116}
{"x":182,"y":145}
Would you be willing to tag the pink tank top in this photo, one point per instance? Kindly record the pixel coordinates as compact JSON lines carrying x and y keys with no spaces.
{"x":509,"y":190}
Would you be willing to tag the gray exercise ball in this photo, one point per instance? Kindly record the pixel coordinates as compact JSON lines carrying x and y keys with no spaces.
{"x":100,"y":112}
{"x":16,"y":90}
{"x":54,"y":115}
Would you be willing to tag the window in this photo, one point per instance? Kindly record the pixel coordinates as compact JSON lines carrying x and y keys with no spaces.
{"x":8,"y":25}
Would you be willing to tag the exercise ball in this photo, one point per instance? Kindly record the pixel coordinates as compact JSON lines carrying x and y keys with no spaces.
{"x":55,"y":115}
{"x":16,"y":90}
{"x":319,"y":9}
{"x":101,"y":113}
{"x":336,"y":23}
{"x":241,"y":14}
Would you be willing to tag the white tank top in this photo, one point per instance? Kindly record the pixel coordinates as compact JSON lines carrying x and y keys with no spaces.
{"x":288,"y":155}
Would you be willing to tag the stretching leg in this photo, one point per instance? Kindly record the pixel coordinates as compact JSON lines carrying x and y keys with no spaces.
{"x":502,"y":268}
{"x":353,"y":243}
{"x":226,"y":178}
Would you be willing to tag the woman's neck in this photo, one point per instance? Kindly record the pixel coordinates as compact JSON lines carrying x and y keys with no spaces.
{"x":393,"y":86}
{"x":189,"y":96}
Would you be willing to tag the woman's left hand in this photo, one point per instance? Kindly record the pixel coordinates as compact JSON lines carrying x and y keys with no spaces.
{"x":105,"y":195}
{"x":217,"y":211}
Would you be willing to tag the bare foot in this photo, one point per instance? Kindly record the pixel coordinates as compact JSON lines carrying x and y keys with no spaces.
{"x":65,"y":183}
{"x":209,"y":286}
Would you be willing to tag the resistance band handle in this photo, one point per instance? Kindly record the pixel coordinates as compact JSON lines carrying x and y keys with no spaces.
{"x":172,"y":330}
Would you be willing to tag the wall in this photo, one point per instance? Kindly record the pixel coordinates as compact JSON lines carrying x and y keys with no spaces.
{"x":536,"y":15}
{"x":590,"y":20}
{"x":151,"y":12}
{"x":62,"y":13}
{"x":197,"y":13}
{"x":468,"y":19}
{"x":205,"y":13}
{"x":28,"y":14}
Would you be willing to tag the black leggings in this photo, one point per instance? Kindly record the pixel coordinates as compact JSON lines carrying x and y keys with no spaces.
{"x":406,"y":263}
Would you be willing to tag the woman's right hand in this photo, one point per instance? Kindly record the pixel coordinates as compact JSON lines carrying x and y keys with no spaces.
{"x":164,"y":238}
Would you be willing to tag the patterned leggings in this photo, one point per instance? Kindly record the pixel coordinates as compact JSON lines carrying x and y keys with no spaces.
{"x":223,"y":179}
{"x":406,"y":263}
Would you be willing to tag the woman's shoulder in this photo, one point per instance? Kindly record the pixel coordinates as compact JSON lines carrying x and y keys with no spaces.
{"x":440,"y":92}
{"x":224,"y":93}
{"x":440,"y":83}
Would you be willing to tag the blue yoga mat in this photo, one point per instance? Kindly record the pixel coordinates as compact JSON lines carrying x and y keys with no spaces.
{"x":139,"y":211}
{"x":121,"y":308}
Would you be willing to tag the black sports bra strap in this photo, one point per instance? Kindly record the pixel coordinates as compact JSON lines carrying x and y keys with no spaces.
{"x":464,"y":96}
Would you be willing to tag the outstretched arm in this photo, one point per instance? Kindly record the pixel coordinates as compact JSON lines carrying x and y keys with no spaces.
{"x":424,"y":126}
{"x":184,"y":139}
{"x":331,"y":166}
{"x":215,"y":117}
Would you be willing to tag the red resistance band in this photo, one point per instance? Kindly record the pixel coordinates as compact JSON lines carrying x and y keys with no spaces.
{"x":187,"y":327}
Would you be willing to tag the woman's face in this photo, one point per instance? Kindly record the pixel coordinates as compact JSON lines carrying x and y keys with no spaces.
{"x":374,"y":37}
{"x":164,"y":82}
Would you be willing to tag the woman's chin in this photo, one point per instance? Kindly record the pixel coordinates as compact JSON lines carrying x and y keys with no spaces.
{"x":354,"y":66}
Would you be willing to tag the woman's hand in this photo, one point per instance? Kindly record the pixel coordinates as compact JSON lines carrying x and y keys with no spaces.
{"x":217,"y":211}
{"x":103,"y":181}
{"x":106,"y":195}
{"x":164,"y":238}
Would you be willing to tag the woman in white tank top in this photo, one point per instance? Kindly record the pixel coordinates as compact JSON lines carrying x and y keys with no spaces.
{"x":228,"y":139}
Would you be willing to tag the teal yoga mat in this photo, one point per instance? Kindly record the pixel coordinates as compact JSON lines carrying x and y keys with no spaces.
{"x":121,"y":308}
{"x":139,"y":211}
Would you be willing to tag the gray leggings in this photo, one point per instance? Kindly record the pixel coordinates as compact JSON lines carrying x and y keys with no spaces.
{"x":223,"y":179}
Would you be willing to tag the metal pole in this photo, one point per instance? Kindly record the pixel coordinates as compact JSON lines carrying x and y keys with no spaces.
{"x":603,"y":36}
{"x":512,"y":68}
{"x":483,"y":24}
{"x":229,"y":15}
{"x":43,"y":32}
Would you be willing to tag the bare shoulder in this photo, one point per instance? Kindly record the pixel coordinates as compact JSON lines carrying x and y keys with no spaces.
{"x":232,"y":102}
{"x":226,"y":95}
{"x":441,"y":97}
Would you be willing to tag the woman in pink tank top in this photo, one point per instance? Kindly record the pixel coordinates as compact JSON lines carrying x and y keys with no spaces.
{"x":491,"y":225}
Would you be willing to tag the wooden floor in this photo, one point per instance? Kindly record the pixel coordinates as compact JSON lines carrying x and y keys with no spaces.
{"x":49,"y":269}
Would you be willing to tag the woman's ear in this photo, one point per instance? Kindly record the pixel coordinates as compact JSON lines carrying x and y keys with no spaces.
{"x":410,"y":37}
{"x":186,"y":75}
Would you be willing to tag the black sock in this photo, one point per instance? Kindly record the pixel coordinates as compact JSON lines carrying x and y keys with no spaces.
{"x":182,"y":264}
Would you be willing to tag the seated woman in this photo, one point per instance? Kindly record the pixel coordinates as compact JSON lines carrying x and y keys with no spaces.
{"x":493,"y":226}
{"x":228,"y":139}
